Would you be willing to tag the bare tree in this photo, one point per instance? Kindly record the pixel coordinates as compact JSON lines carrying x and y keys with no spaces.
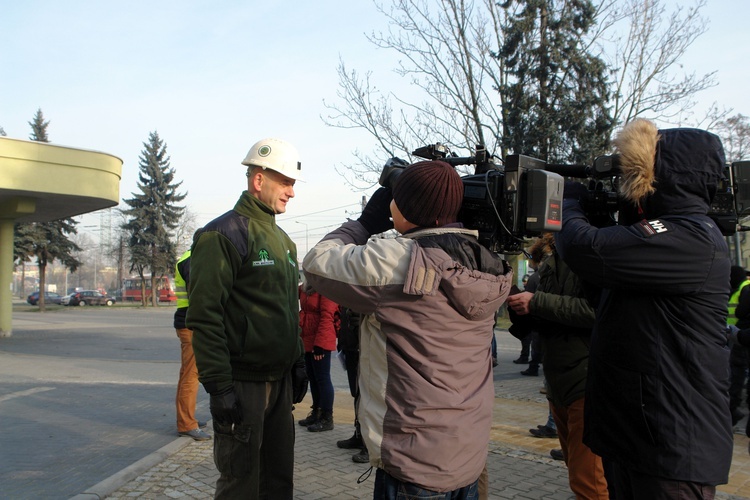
{"x":447,"y":48}
{"x":183,"y":233}
{"x":644,"y":44}
{"x":735,"y":136}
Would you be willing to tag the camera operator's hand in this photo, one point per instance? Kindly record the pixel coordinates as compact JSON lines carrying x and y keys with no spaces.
{"x":376,"y":216}
{"x":225,"y":409}
{"x":575,"y":190}
{"x":299,"y":381}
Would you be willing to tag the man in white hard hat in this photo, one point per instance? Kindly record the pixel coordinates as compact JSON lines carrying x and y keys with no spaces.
{"x":245,"y":320}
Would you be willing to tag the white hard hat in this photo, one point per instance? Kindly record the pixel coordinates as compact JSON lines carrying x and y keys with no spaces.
{"x":277,"y":155}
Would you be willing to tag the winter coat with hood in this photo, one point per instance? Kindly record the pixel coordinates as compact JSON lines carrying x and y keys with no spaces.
{"x":656,"y":396}
{"x":428,"y":300}
{"x":317,"y":319}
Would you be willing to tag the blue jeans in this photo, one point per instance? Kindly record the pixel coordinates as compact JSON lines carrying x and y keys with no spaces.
{"x":388,"y":487}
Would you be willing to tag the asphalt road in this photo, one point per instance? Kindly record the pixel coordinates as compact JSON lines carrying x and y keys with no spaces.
{"x":84,"y":392}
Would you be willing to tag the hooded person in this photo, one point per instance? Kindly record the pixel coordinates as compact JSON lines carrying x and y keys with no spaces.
{"x":657,"y":406}
{"x":428,"y":299}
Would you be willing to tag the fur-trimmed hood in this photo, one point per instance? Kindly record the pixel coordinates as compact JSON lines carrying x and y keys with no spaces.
{"x":541,"y":248}
{"x":671,"y":171}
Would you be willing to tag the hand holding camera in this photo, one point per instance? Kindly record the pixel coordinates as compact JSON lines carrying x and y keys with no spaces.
{"x":575,"y":190}
{"x":376,"y":216}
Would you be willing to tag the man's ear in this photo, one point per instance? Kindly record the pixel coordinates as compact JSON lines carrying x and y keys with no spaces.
{"x":255,"y":178}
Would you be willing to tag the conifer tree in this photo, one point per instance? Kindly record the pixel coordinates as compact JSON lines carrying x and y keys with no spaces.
{"x":555,"y":100}
{"x":46,"y":241}
{"x":153,"y":213}
{"x":39,"y":127}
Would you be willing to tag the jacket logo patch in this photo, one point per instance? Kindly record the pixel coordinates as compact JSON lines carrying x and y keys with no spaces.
{"x":289,"y":258}
{"x":264,"y":259}
{"x":652,"y":227}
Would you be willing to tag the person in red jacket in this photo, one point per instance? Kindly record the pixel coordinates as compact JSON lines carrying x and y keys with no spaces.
{"x":317,"y":319}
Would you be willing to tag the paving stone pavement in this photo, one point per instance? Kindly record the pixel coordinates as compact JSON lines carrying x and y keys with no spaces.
{"x":518,"y":464}
{"x":324,"y":471}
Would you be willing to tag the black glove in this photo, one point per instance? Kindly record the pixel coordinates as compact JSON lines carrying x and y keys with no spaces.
{"x":320,"y":350}
{"x":225,"y":409}
{"x":575,"y":190}
{"x":299,"y":381}
{"x":376,"y":216}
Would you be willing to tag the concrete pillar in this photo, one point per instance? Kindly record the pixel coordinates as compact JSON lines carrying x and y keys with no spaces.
{"x":9,"y":210}
{"x":6,"y":277}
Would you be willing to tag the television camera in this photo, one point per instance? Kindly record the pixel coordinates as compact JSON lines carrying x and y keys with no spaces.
{"x":522,"y":197}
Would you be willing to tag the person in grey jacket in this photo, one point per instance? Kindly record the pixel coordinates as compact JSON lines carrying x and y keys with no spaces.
{"x":428,"y":299}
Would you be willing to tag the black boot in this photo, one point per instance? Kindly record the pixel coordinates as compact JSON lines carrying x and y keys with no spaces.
{"x":324,"y":423}
{"x":311,"y":418}
{"x":352,"y":443}
{"x":362,"y":457}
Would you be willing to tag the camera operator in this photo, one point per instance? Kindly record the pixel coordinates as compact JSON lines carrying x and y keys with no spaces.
{"x":657,"y":406}
{"x":428,"y":299}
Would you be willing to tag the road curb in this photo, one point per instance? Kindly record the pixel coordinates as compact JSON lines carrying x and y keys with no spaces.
{"x":117,"y":480}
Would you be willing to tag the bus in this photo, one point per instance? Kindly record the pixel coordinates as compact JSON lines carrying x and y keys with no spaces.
{"x":131,"y":289}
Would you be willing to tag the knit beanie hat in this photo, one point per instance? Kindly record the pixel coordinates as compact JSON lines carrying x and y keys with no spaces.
{"x":429,"y":193}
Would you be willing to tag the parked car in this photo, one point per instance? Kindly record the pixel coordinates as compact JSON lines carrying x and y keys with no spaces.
{"x":49,"y":298}
{"x":90,"y":298}
{"x":65,"y":299}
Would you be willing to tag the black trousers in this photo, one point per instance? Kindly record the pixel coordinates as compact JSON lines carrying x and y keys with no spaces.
{"x":256,"y":459}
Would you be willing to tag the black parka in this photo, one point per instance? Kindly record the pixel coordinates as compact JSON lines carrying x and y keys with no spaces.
{"x":657,"y":391}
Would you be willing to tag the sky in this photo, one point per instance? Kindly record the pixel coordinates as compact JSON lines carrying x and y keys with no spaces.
{"x":212,"y":78}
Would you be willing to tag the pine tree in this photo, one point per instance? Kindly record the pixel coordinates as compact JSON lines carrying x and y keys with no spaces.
{"x":46,"y":241}
{"x":555,"y":101}
{"x":153,"y":213}
{"x":39,"y":127}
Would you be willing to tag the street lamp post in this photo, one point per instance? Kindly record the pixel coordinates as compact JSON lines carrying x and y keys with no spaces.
{"x":307,"y":243}
{"x":96,"y":248}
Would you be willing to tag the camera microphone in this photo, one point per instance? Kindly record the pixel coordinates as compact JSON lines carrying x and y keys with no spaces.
{"x":604,"y":166}
{"x":578,"y":171}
